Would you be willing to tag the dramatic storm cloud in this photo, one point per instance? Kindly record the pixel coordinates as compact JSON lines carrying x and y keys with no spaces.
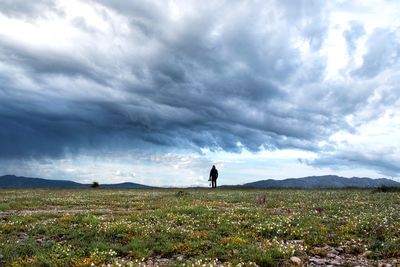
{"x":142,"y":90}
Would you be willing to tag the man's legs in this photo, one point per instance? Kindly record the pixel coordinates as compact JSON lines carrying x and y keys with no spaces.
{"x":214,"y":183}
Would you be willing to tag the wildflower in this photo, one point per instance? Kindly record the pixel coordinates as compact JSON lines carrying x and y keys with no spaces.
{"x":319,"y":210}
{"x":262,"y":200}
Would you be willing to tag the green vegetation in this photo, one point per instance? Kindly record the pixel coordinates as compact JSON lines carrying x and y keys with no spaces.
{"x":192,"y":226}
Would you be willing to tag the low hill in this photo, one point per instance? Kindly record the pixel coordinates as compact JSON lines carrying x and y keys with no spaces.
{"x":326,"y":181}
{"x":311,"y":182}
{"x":12,"y":181}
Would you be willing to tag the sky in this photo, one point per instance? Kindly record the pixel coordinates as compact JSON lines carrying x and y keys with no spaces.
{"x":156,"y":92}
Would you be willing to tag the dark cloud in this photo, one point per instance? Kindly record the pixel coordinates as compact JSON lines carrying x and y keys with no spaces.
{"x":40,"y":62}
{"x":383,"y":51}
{"x":381,"y":160}
{"x":222,"y":75}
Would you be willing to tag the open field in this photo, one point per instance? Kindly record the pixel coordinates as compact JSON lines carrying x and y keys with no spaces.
{"x":173,"y":227}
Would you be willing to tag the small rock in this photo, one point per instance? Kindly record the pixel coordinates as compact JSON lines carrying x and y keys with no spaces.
{"x":22,"y":236}
{"x":295,"y":260}
{"x":317,"y":260}
{"x":333,"y":251}
{"x":336,"y":262}
{"x":366,"y":254}
{"x":331,"y":255}
{"x":163,"y":261}
{"x":319,"y":251}
{"x":340,"y":249}
{"x":180,"y":257}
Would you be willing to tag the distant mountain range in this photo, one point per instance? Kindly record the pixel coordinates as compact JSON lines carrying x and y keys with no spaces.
{"x":311,"y":182}
{"x":12,"y":181}
{"x":326,"y":181}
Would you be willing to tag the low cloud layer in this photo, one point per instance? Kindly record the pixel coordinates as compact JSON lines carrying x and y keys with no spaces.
{"x":80,"y":77}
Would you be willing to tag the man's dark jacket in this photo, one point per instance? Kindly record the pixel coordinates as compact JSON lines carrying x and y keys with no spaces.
{"x":214,"y":174}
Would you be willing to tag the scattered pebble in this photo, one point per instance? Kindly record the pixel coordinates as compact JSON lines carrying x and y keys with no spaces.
{"x":295,"y":260}
{"x":337,"y":256}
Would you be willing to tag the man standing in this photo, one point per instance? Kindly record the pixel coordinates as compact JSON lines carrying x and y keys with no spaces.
{"x":213,"y":176}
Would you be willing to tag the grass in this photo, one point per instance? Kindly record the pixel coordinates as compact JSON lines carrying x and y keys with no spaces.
{"x":386,"y":189}
{"x":192,"y":226}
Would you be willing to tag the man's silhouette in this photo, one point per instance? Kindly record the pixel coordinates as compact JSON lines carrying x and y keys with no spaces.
{"x":214,"y":176}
